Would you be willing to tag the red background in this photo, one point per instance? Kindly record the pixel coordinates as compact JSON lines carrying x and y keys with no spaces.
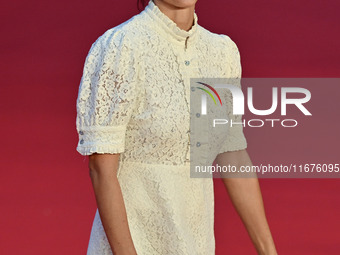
{"x":47,"y":203}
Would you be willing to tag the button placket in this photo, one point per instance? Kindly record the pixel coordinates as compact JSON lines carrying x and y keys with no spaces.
{"x":200,"y":125}
{"x":186,"y":77}
{"x":184,"y":60}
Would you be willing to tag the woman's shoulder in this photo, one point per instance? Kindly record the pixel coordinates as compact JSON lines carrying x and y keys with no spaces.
{"x":122,"y":35}
{"x":221,"y":41}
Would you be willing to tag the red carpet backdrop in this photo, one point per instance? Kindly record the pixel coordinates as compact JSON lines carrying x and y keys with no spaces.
{"x":47,"y":203}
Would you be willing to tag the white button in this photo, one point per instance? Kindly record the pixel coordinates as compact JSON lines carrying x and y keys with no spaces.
{"x":187,"y":62}
{"x":198,"y":144}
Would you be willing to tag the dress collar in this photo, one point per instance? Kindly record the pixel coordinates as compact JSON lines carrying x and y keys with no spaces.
{"x":170,"y":27}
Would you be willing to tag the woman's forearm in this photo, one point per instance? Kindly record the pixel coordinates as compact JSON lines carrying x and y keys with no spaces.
{"x":110,"y":203}
{"x":246,"y":197}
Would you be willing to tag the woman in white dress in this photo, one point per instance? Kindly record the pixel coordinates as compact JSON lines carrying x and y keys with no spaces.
{"x":133,"y":120}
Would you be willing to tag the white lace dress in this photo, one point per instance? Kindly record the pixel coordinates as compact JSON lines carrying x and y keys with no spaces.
{"x":134,"y":100}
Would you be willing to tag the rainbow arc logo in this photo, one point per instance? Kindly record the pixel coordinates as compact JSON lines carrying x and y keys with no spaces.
{"x":209,"y":93}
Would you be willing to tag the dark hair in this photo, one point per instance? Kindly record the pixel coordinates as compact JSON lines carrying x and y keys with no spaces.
{"x":142,"y":3}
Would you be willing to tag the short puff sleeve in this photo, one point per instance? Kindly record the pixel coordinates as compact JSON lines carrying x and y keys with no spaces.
{"x":107,"y":94}
{"x":235,"y":138}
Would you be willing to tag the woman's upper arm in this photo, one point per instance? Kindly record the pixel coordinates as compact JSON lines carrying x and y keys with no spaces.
{"x":107,"y":95}
{"x":104,"y":163}
{"x":236,"y":139}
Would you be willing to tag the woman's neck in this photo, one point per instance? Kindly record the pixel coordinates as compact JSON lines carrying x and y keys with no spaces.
{"x":183,"y":17}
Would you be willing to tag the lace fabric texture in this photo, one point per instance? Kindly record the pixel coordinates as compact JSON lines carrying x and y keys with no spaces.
{"x":134,"y":99}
